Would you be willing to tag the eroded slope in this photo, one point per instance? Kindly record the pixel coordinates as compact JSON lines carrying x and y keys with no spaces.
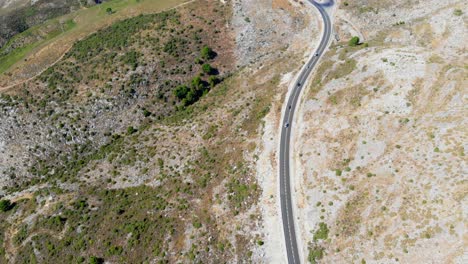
{"x":129,"y":149}
{"x":382,"y":138}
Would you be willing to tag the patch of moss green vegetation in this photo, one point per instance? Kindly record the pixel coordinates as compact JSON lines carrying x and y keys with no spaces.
{"x":316,"y":250}
{"x":5,"y":205}
{"x":21,"y":235}
{"x":25,"y":42}
{"x":3,"y":228}
{"x":354,"y":41}
{"x":23,"y":17}
{"x":322,"y":232}
{"x":135,"y":224}
{"x":367,"y":9}
{"x":130,"y":223}
{"x":315,"y":254}
{"x":344,"y":69}
{"x":24,"y":24}
{"x":82,"y":155}
{"x":239,"y":192}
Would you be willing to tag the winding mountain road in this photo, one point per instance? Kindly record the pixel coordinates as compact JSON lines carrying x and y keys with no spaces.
{"x":287,"y":125}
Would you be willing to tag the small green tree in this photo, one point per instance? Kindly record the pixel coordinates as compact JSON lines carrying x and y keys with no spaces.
{"x":5,"y":205}
{"x":131,"y":130}
{"x":181,"y":91}
{"x":315,"y":254}
{"x":207,"y":68}
{"x":190,"y":99}
{"x":197,"y":224}
{"x":197,"y":83}
{"x":322,"y":232}
{"x":109,"y":11}
{"x":207,"y":53}
{"x":212,"y":80}
{"x":95,"y":260}
{"x":354,"y":41}
{"x":146,"y":113}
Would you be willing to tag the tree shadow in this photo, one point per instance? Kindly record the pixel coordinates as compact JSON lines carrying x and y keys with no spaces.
{"x":214,"y":71}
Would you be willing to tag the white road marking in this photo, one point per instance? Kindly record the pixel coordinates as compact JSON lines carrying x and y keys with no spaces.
{"x":288,"y":119}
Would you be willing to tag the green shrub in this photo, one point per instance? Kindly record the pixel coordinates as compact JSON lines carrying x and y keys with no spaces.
{"x":95,"y":260}
{"x":354,"y":41}
{"x":21,"y":235}
{"x":131,"y":58}
{"x":212,"y":81}
{"x":315,"y":254}
{"x":146,"y":113}
{"x":131,"y":130}
{"x":115,"y":250}
{"x":5,"y":205}
{"x":207,"y":68}
{"x":181,"y":91}
{"x":322,"y":232}
{"x":207,"y":53}
{"x":458,"y":12}
{"x":197,"y":224}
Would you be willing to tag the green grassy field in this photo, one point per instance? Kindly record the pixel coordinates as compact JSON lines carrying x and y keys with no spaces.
{"x":70,"y":28}
{"x":7,"y":59}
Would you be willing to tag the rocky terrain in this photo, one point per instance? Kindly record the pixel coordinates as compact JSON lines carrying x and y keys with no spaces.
{"x":129,"y":134}
{"x":381,"y":147}
{"x":140,"y":144}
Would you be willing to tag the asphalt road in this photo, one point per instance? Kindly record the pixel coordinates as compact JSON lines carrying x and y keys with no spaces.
{"x":287,"y":125}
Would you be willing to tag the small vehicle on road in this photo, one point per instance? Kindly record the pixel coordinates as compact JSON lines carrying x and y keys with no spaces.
{"x":316,"y":54}
{"x":286,"y":125}
{"x":298,"y":84}
{"x":289,"y":107}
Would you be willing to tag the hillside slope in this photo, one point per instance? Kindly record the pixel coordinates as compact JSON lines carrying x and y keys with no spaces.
{"x":30,"y":52}
{"x":140,"y":144}
{"x":382,"y":140}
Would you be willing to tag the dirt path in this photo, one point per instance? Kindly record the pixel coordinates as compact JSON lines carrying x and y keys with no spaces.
{"x":37,"y":74}
{"x":359,"y":32}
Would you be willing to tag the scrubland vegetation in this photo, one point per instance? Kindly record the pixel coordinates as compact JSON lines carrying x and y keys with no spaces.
{"x":109,"y":175}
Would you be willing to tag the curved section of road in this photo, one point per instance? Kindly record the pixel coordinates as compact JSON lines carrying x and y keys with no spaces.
{"x":287,"y":124}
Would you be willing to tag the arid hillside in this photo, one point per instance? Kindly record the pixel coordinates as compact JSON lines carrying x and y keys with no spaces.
{"x":140,"y":144}
{"x":381,"y":147}
{"x":141,"y":131}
